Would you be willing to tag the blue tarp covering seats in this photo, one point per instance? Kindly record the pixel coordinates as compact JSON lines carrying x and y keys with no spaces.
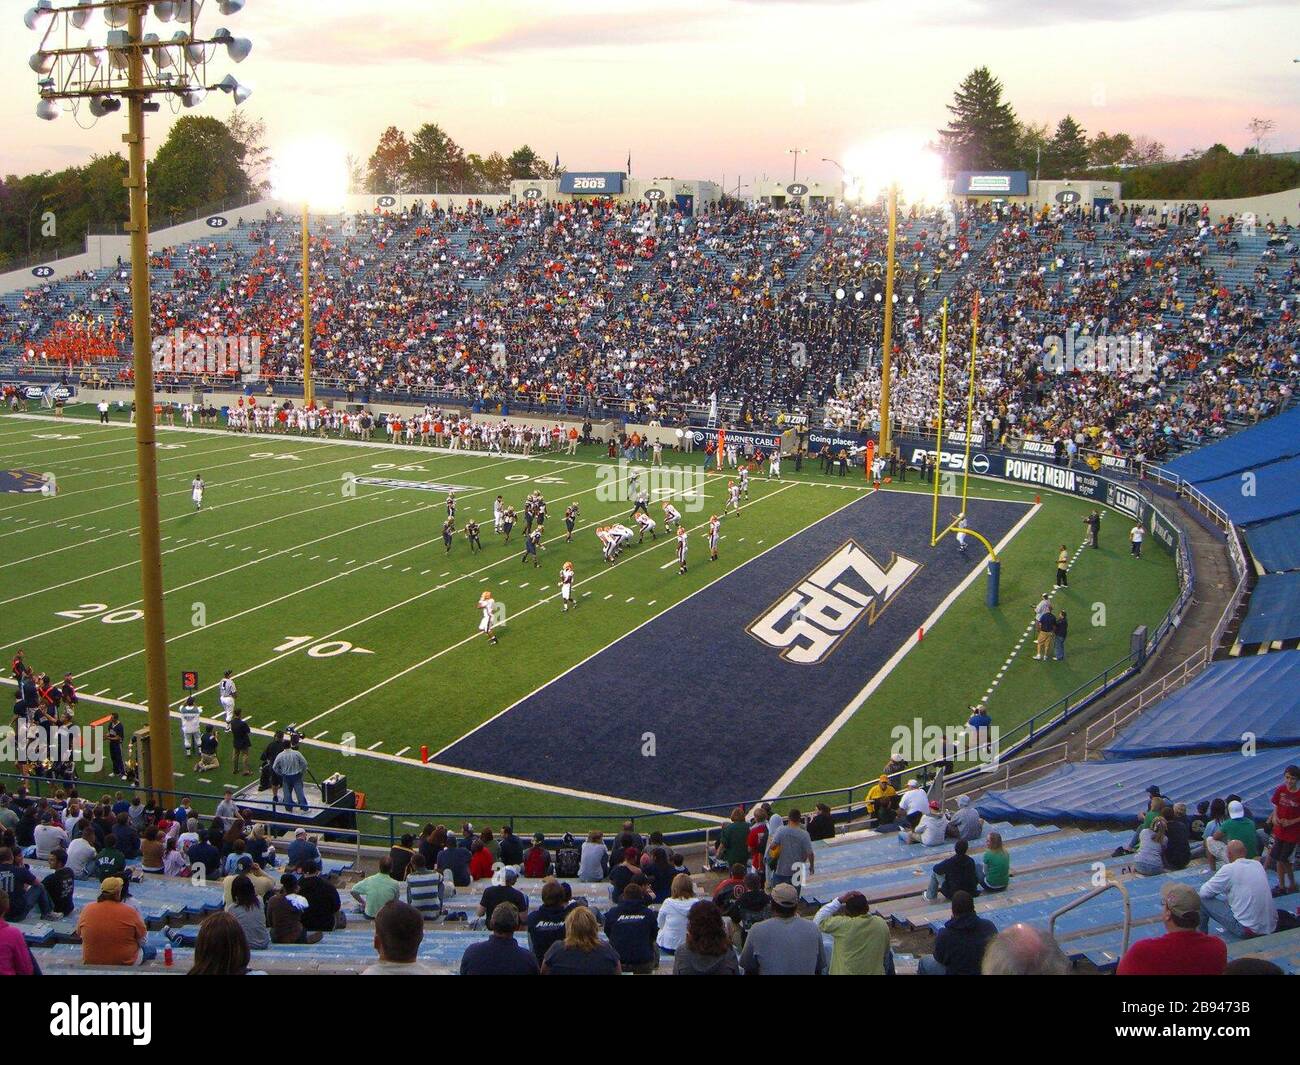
{"x":1116,"y":791}
{"x":1276,"y":438}
{"x":1272,"y":492}
{"x":1274,"y":612}
{"x":1259,"y":694}
{"x":1275,"y":545}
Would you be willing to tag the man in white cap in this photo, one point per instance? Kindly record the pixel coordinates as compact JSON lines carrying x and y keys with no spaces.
{"x":1236,"y":826}
{"x":913,"y":803}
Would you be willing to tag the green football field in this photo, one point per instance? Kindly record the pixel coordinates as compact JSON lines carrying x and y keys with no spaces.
{"x":339,"y":610}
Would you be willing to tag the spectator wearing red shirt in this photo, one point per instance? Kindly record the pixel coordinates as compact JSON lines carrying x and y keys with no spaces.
{"x":480,"y":861}
{"x":1182,"y":950}
{"x":1286,"y":829}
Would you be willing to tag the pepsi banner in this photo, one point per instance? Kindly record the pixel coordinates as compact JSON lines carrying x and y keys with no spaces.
{"x":609,"y":183}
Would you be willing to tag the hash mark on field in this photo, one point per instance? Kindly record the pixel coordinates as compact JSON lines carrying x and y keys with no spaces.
{"x":524,"y":585}
{"x":423,"y":572}
{"x":406,"y":569}
{"x":331,"y":560}
{"x":313,"y":558}
{"x":652,"y":602}
{"x":447,"y":574}
{"x":125,"y":697}
{"x":630,"y":598}
{"x":349,"y":562}
{"x":610,"y":596}
{"x":377,"y":743}
{"x":411,"y":824}
{"x":401,"y":752}
{"x":206,"y":780}
{"x":320,"y":734}
{"x":269,"y":724}
{"x":389,"y":566}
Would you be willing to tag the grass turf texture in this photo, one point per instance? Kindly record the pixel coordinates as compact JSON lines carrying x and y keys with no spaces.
{"x":280,"y":551}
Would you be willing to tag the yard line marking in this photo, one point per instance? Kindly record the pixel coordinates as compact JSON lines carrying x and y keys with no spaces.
{"x":670,"y":562}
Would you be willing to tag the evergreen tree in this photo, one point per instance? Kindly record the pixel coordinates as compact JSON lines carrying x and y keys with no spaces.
{"x":983,"y":133}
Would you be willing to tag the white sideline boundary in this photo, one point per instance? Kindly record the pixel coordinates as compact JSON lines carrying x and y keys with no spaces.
{"x":815,"y":748}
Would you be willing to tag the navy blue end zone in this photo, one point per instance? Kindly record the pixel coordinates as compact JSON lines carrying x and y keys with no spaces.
{"x":729,"y":708}
{"x":15,"y":481}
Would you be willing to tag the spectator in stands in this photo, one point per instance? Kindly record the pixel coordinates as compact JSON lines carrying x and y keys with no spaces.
{"x":207,"y":853}
{"x":1222,"y":831}
{"x":227,"y":809}
{"x":377,"y":890}
{"x":785,"y":944}
{"x":660,"y":873}
{"x":1022,"y":950}
{"x":20,"y":884}
{"x":954,"y":874}
{"x":60,"y":885}
{"x":301,"y":850}
{"x":511,"y":850}
{"x":1285,"y":820}
{"x":632,"y":929}
{"x":284,"y":912}
{"x":966,"y":823}
{"x":997,"y":865}
{"x":221,"y":948}
{"x":546,"y":923}
{"x":790,"y":851}
{"x":581,"y":952}
{"x":499,"y":954}
{"x":627,"y":871}
{"x":1178,"y":838}
{"x":914,"y":803}
{"x":537,"y":860}
{"x":1238,"y":897}
{"x":15,"y":956}
{"x":932,"y":830}
{"x":453,"y":862}
{"x":1150,"y":859}
{"x":400,"y":855}
{"x":111,"y":932}
{"x":731,"y":886}
{"x":960,"y":944}
{"x":261,"y":849}
{"x":673,"y":912}
{"x":324,"y":910}
{"x":263,"y":885}
{"x":1184,"y":950}
{"x":1155,"y":808}
{"x":424,"y":889}
{"x":882,"y":801}
{"x":861,"y":937}
{"x":49,"y":835}
{"x":506,"y":891}
{"x":399,"y":930}
{"x":246,"y":907}
{"x":594,"y":864}
{"x":480,"y":860}
{"x":732,"y":845}
{"x":706,"y":950}
{"x":822,"y":825}
{"x":152,"y":850}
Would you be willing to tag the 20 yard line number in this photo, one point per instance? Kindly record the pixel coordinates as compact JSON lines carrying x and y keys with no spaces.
{"x":112,"y":617}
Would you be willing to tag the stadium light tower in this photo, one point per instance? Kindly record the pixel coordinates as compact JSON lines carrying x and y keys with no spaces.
{"x":76,"y":68}
{"x":885,"y":166}
{"x":312,"y":174}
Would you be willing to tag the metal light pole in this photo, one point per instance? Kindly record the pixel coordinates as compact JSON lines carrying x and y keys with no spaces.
{"x":308,"y":396}
{"x":887,"y":334}
{"x":137,"y":67}
{"x":146,"y":458}
{"x":796,"y":152}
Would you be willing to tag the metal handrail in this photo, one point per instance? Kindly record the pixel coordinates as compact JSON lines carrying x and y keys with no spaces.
{"x":1109,"y":723}
{"x":1128,"y":909}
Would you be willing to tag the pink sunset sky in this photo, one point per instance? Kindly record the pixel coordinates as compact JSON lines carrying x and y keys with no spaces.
{"x":706,"y":88}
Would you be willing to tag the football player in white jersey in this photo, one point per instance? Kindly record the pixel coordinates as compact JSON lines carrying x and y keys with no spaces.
{"x":647,"y":524}
{"x":197,"y":494}
{"x":681,"y":549}
{"x":226,"y":692}
{"x":744,"y":481}
{"x":961,"y":532}
{"x":566,"y":587}
{"x":733,"y":498}
{"x":671,"y":516}
{"x":715,"y":523}
{"x":190,"y":714}
{"x":487,"y":607}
